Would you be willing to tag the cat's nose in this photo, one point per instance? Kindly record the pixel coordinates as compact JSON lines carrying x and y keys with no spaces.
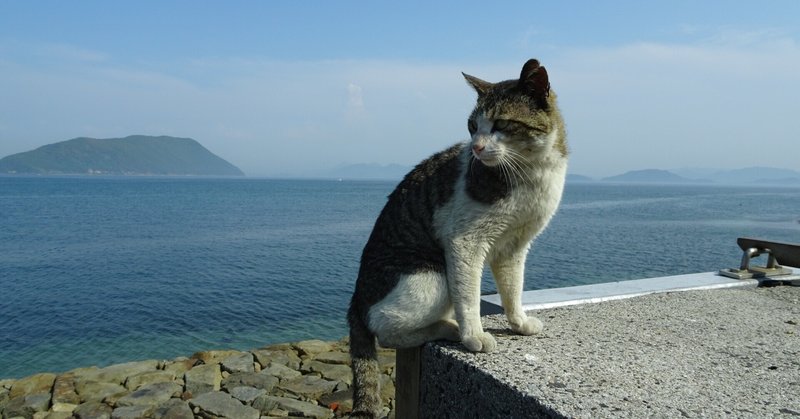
{"x":477,"y":149}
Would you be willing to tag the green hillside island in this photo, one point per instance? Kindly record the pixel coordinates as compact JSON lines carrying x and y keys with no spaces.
{"x":133,"y":155}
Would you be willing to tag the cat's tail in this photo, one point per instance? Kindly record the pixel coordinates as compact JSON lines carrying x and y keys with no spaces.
{"x":366,"y":372}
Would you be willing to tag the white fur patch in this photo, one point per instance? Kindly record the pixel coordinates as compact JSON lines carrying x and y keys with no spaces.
{"x":417,"y":301}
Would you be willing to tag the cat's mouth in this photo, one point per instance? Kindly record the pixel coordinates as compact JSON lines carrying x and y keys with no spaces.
{"x":489,"y":160}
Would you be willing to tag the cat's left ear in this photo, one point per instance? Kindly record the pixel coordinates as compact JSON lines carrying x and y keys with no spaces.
{"x":534,"y":82}
{"x":480,"y":86}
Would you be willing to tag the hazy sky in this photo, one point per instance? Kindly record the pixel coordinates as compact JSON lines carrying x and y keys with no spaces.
{"x":294,"y":87}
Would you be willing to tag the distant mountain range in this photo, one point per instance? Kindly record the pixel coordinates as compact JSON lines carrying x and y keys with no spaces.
{"x":649,"y":175}
{"x":746,"y":175}
{"x":132,"y":155}
{"x":752,"y":175}
{"x":367,"y":171}
{"x":163,"y":155}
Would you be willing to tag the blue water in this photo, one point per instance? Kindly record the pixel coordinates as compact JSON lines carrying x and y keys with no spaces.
{"x":95,"y":271}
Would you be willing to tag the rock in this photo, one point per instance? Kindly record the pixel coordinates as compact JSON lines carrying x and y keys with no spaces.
{"x":293,"y":407}
{"x":6,"y":383}
{"x":308,"y":386}
{"x":268,"y":357}
{"x":284,"y":346}
{"x":40,"y":402}
{"x":179,"y":366}
{"x":387,"y":388}
{"x":265,"y":403}
{"x":312,"y":347}
{"x":246,"y":394}
{"x":112,"y":399}
{"x":92,"y":410}
{"x":214,"y":357}
{"x":174,"y":409}
{"x":132,"y":412}
{"x":64,"y":390}
{"x":80,"y":374}
{"x":148,"y":377}
{"x":222,"y":405}
{"x":387,"y":361}
{"x":151,"y":395}
{"x":241,"y":362}
{"x":58,"y":415}
{"x":26,"y":405}
{"x":3,"y":399}
{"x":332,"y":372}
{"x":202,"y":379}
{"x":259,"y":380}
{"x":38,"y":383}
{"x":116,"y":374}
{"x":281,"y":371}
{"x":63,"y":407}
{"x":93,"y":391}
{"x":333,"y":357}
{"x":339,"y":401}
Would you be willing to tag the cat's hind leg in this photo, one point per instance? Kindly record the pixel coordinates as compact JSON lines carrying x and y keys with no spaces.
{"x":416,"y":311}
{"x":441,"y":330}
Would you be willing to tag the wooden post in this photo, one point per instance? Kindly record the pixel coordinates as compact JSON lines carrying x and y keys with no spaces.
{"x":406,"y":391}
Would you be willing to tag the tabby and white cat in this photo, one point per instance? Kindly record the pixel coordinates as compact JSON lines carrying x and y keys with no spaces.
{"x":475,"y":203}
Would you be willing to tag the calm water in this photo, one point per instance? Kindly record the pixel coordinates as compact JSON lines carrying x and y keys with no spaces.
{"x":95,"y":271}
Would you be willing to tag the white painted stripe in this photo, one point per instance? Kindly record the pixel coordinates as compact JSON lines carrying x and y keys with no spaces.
{"x":595,"y":293}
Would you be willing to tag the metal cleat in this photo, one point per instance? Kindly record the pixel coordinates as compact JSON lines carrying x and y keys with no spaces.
{"x":778,"y":253}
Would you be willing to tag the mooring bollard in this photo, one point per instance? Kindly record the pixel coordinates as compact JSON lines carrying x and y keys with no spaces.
{"x":406,"y":391}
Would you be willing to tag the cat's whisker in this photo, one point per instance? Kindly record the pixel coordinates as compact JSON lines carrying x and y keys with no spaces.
{"x":511,"y":171}
{"x":518,"y":169}
{"x":472,"y":160}
{"x":521,"y":165}
{"x":505,"y":170}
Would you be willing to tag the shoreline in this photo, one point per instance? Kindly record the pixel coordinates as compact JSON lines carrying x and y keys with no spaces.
{"x":310,"y":378}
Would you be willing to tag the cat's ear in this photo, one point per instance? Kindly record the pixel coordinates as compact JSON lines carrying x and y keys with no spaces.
{"x":534,"y":82}
{"x":480,"y":86}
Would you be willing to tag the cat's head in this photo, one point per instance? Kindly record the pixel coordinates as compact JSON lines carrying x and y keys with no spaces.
{"x":516,"y":121}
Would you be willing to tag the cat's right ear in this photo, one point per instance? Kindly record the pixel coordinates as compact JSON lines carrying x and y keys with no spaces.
{"x":534,"y":81}
{"x":480,"y":86}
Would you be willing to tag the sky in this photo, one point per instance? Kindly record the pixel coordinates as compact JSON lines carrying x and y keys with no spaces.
{"x":297,"y":88}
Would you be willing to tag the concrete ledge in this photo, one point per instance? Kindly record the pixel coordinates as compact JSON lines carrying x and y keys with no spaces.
{"x":705,"y":353}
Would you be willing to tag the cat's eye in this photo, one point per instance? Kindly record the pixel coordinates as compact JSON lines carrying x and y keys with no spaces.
{"x":501,"y":124}
{"x":472,"y":126}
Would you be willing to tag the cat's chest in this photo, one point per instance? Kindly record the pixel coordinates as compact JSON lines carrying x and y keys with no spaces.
{"x":530,"y":207}
{"x":524,"y":210}
{"x":539,"y":197}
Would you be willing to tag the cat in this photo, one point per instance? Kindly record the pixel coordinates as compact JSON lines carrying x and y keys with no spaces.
{"x":481,"y":201}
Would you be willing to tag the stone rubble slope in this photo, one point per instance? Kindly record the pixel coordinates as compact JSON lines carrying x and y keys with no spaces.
{"x":309,"y":379}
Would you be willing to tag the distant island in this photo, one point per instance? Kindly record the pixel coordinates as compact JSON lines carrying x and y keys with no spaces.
{"x":648,"y":175}
{"x":132,"y":155}
{"x":745,"y":176}
{"x":578,"y":178}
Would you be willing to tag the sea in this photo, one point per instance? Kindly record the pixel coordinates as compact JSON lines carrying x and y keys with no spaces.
{"x":101,"y":270}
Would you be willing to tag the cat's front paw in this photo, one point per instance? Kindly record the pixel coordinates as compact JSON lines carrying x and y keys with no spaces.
{"x":482,"y":342}
{"x":527,"y":326}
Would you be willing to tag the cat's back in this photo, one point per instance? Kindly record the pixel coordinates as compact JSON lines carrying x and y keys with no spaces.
{"x":403,"y":239}
{"x":431,"y":182}
{"x":406,"y":220}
